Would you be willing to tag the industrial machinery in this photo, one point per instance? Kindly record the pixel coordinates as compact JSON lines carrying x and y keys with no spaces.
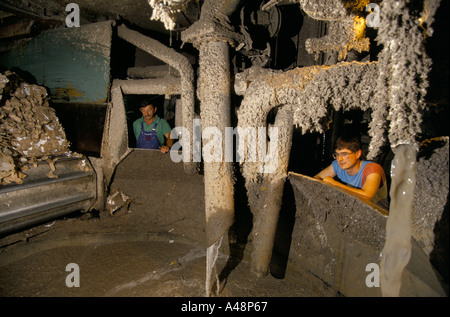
{"x":49,"y":191}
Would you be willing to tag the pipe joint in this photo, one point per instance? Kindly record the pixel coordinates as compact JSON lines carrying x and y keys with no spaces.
{"x":209,"y":30}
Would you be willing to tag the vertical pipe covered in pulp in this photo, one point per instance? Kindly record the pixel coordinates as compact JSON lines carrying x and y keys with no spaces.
{"x":214,"y":94}
{"x":212,"y":34}
{"x":266,"y":220}
{"x":403,"y":84}
{"x":397,"y":248}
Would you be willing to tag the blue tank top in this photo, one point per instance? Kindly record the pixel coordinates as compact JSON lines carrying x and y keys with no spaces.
{"x":353,"y":180}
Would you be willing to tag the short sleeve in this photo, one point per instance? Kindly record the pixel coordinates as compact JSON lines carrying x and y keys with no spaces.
{"x":374,"y":168}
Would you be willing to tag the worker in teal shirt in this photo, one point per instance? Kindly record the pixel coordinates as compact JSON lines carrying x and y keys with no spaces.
{"x":151,"y":131}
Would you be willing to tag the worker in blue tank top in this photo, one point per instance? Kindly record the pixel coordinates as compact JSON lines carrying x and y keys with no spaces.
{"x":151,"y":131}
{"x":364,"y":178}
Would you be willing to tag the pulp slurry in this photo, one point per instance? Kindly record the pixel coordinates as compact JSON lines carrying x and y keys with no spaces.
{"x":155,"y":248}
{"x":132,"y":268}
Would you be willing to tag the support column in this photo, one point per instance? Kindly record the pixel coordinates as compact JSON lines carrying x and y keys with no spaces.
{"x":266,"y":220}
{"x":212,"y":35}
{"x":214,"y":95}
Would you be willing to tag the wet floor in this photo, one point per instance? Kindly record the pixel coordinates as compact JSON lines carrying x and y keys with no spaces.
{"x":154,"y":248}
{"x":130,"y":265}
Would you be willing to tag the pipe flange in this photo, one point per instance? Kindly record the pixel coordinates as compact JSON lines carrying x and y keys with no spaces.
{"x":204,"y":31}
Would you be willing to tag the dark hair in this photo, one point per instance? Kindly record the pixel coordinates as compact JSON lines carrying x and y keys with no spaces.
{"x":154,"y":100}
{"x":145,"y":103}
{"x":348,"y":141}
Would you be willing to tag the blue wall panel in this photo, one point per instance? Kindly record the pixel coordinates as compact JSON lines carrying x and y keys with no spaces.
{"x":74,"y":63}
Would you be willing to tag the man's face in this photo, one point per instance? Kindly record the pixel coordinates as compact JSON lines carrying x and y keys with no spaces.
{"x":346,"y":158}
{"x":148,"y":112}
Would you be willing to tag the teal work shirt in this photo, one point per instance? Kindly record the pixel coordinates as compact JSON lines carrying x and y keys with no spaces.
{"x":161,"y":129}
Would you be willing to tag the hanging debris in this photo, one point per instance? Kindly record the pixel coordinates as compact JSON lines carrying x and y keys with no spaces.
{"x":165,"y":10}
{"x":346,"y":26}
{"x":30,"y":132}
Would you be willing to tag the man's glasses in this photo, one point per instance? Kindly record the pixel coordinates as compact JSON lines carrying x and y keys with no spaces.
{"x":344,"y":155}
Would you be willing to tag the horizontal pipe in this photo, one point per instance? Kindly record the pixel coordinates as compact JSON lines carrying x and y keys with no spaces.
{"x":157,"y":86}
{"x":43,"y":216}
{"x":45,"y":181}
{"x":36,"y":208}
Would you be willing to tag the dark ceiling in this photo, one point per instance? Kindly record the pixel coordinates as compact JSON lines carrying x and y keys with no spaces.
{"x":21,"y":19}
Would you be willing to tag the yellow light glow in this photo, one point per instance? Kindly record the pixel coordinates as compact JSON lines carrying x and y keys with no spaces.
{"x":359,"y":27}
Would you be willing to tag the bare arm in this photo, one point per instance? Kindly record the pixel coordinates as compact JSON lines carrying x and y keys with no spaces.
{"x":166,"y":148}
{"x":327,"y":172}
{"x":368,"y":190}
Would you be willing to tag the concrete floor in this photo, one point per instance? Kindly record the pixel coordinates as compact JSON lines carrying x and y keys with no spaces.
{"x":154,"y":249}
{"x":159,"y":267}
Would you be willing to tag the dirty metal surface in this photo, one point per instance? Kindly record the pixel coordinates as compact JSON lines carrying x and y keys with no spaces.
{"x":336,"y":235}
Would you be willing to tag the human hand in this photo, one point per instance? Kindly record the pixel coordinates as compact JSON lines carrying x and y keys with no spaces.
{"x":164,"y":149}
{"x":329,"y":179}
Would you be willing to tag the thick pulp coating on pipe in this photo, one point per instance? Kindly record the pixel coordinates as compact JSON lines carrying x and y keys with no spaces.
{"x":397,"y":248}
{"x":214,"y":95}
